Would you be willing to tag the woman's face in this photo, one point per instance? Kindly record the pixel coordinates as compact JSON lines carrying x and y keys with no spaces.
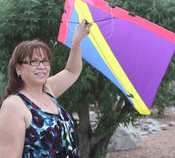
{"x":34,"y":75}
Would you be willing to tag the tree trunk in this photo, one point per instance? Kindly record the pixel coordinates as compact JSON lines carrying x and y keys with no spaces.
{"x":90,"y":146}
{"x":84,"y":132}
{"x":101,"y":147}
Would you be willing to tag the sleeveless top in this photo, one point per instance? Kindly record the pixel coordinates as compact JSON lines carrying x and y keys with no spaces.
{"x":49,"y":135}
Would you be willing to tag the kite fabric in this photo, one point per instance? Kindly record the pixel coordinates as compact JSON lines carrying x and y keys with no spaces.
{"x":129,"y":50}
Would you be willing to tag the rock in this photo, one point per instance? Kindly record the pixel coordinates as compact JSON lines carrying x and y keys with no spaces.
{"x":164,"y":127}
{"x":144,"y":127}
{"x":171,"y":123}
{"x":148,"y":126}
{"x":124,"y":138}
{"x":149,"y":120}
{"x":144,"y":134}
{"x":137,"y":128}
{"x":153,"y":129}
{"x":152,"y":121}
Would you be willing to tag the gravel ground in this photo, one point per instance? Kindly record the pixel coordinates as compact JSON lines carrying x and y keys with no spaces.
{"x":159,"y":145}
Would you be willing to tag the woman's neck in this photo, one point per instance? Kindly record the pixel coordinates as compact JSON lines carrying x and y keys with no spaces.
{"x":33,"y":91}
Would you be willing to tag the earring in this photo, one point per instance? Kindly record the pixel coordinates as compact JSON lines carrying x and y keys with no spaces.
{"x":18,"y":73}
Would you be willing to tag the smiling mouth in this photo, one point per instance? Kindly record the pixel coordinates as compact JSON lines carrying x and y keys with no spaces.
{"x":40,"y":74}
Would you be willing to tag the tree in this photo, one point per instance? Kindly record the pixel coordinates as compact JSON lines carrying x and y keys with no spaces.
{"x":39,"y":19}
{"x":2,"y":85}
{"x":26,"y":20}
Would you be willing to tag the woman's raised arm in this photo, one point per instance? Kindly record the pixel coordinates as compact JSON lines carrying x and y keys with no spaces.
{"x":60,"y":82}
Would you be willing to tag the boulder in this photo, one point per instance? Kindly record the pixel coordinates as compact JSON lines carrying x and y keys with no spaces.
{"x":124,"y":138}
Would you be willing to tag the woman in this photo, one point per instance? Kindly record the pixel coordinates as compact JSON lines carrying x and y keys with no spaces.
{"x":32,"y":124}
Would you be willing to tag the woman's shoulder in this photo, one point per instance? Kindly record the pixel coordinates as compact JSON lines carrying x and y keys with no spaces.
{"x":13,"y":102}
{"x":11,"y":99}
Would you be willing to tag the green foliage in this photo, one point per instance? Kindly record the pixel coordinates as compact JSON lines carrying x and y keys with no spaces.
{"x":99,"y":156}
{"x":27,"y":20}
{"x":2,"y":85}
{"x":172,"y":88}
{"x":160,"y":12}
{"x":82,"y":92}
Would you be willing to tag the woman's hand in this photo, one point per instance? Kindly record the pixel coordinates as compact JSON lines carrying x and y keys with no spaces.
{"x":81,"y":31}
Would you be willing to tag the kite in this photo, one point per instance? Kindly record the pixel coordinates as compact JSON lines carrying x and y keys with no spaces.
{"x":130,"y":51}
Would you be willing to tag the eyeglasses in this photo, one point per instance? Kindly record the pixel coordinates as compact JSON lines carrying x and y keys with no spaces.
{"x":36,"y":62}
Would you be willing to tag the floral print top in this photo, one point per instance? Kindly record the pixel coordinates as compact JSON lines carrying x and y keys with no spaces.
{"x":49,"y":135}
